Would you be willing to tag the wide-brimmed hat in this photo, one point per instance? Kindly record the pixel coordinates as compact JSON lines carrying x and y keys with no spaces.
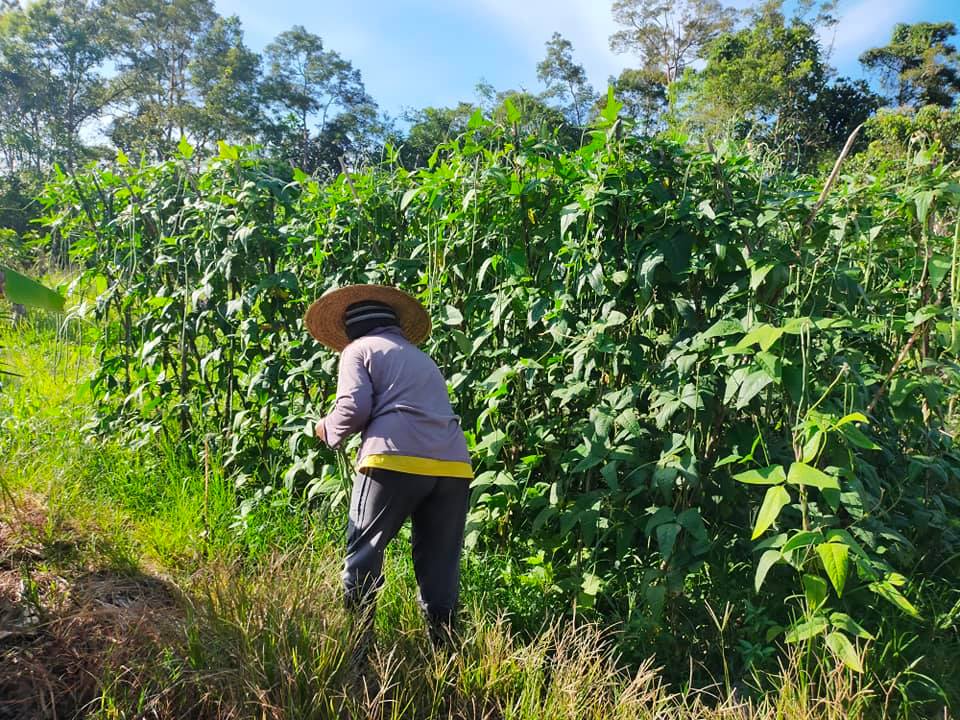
{"x":324,"y":318}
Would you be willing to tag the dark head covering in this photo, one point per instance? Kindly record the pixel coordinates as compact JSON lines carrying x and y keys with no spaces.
{"x":362,"y":317}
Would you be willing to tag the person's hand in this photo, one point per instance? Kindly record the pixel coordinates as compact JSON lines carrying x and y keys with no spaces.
{"x":321,"y":432}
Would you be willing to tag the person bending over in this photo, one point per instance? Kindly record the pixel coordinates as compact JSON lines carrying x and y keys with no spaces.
{"x":413,"y":460}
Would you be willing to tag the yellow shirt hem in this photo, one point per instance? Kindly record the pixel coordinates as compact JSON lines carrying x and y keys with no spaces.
{"x":418,"y":465}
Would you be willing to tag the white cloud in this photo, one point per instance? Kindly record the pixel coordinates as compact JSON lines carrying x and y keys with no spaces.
{"x":864,"y":24}
{"x":587,"y":24}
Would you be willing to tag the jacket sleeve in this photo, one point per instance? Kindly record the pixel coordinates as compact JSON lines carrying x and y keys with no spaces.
{"x":351,"y":412}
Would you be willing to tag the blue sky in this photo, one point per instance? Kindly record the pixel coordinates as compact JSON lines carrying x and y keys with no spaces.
{"x":414,"y":53}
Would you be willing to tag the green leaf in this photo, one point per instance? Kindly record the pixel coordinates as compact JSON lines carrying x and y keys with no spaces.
{"x":476,"y":120}
{"x":849,"y":625}
{"x":615,"y":318}
{"x":770,"y":475}
{"x":667,"y":538}
{"x":813,"y":446}
{"x":722,"y":328}
{"x":767,"y":561}
{"x":764,"y":335}
{"x":796,"y":325}
{"x":857,"y":438}
{"x":923,"y":201}
{"x":835,"y":557}
{"x":449,"y":315}
{"x":940,"y":267}
{"x":629,"y":421}
{"x":806,"y":629}
{"x":844,"y":650}
{"x":568,"y":216}
{"x":924,"y":314}
{"x":592,"y":584}
{"x":771,"y":363}
{"x":840,"y":535}
{"x":227,"y":151}
{"x":888,"y":592}
{"x":20,"y":289}
{"x":773,"y":502}
{"x":408,"y":197}
{"x":513,"y":115}
{"x":803,"y":474}
{"x":661,"y":516}
{"x":751,"y":387}
{"x":758,"y":274}
{"x":544,"y":516}
{"x":802,"y":538}
{"x":691,"y":521}
{"x":815,"y":591}
{"x":728,"y":460}
{"x":185,"y":148}
{"x":850,"y":418}
{"x":612,"y":108}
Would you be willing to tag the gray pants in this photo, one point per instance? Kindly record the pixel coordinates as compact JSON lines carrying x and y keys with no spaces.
{"x":382,"y":500}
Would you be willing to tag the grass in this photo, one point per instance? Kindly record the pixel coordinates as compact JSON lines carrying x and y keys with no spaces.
{"x":133,"y":591}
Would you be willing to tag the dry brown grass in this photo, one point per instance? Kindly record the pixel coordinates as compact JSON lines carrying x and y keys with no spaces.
{"x":63,"y":624}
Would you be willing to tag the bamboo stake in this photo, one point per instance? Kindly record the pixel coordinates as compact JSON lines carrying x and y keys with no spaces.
{"x":346,"y":173}
{"x":833,"y":176}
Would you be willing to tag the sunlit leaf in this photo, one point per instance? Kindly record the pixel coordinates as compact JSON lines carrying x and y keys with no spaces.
{"x":770,"y":475}
{"x":773,"y":502}
{"x":844,"y":650}
{"x":20,"y":289}
{"x":803,"y":474}
{"x":814,"y":590}
{"x":806,"y":629}
{"x":849,"y":625}
{"x":835,"y":558}
{"x":767,"y":561}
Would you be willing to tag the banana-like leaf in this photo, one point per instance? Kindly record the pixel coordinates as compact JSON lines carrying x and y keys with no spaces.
{"x":20,"y":289}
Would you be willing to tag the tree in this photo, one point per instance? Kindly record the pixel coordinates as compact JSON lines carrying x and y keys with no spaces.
{"x":668,"y":36}
{"x":431,"y":127}
{"x":69,"y":48}
{"x":51,"y":55}
{"x":898,"y":133}
{"x":156,"y":43}
{"x":770,"y":82}
{"x":918,"y":66}
{"x":23,"y":118}
{"x":225,"y":75}
{"x":566,"y":80}
{"x":529,"y":116}
{"x":306,"y":83}
{"x":643,"y":96}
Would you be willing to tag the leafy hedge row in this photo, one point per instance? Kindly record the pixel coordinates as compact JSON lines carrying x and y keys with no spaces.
{"x":678,"y":378}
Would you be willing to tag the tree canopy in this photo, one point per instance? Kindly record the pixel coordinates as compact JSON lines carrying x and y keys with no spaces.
{"x":918,"y":66}
{"x":81,"y":79}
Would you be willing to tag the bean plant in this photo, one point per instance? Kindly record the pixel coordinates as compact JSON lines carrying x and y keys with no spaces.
{"x":684,"y":380}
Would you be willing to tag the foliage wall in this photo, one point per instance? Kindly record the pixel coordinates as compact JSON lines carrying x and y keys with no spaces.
{"x":682,"y":382}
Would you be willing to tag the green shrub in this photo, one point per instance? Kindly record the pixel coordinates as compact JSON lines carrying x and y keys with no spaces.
{"x":637,"y":334}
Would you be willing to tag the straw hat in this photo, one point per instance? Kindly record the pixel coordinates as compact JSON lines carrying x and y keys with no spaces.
{"x":324,"y":317}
